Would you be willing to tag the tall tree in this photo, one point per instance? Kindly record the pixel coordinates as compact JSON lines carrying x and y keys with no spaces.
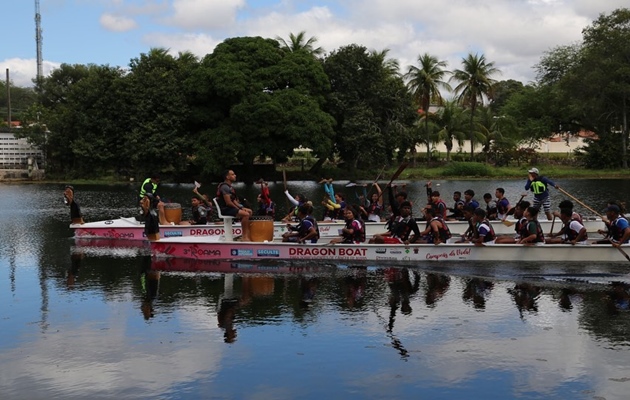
{"x":474,"y":84}
{"x":452,"y":122}
{"x":299,"y":42}
{"x":425,"y":82}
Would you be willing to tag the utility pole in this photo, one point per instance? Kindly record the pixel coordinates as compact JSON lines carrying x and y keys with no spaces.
{"x":8,"y":100}
{"x":38,"y":41}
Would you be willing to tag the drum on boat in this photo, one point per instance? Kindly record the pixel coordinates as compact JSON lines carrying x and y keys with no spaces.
{"x":261,"y":228}
{"x":173,"y":212}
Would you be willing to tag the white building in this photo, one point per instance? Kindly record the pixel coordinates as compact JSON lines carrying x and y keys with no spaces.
{"x":15,"y":153}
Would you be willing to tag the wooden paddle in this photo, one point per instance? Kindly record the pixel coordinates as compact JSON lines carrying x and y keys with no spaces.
{"x":284,"y":180}
{"x":622,"y":251}
{"x":376,"y":180}
{"x":399,"y":171}
{"x":510,"y":223}
{"x":580,"y":203}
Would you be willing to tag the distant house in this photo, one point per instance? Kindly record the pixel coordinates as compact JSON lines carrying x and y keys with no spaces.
{"x":14,"y":153}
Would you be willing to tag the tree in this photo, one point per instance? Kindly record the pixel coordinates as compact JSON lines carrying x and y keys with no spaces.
{"x":258,"y":101}
{"x":300,"y":43}
{"x":474,"y":84}
{"x":425,"y":82}
{"x":452,"y":121}
{"x":370,"y":103}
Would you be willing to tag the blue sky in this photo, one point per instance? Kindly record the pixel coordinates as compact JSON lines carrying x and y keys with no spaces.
{"x":511,"y":33}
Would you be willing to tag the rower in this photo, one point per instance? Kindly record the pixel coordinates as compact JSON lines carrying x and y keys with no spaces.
{"x":503,"y":204}
{"x":521,"y":221}
{"x":297,"y":201}
{"x":400,"y":229}
{"x":491,"y":206}
{"x":306,"y":231}
{"x":354,"y":231}
{"x":484,"y":233}
{"x":436,"y":231}
{"x":532,"y":232}
{"x":230,"y":205}
{"x":572,"y":232}
{"x":618,"y":231}
{"x":469,"y":199}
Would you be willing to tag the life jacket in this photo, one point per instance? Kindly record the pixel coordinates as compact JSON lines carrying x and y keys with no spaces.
{"x":502,"y":207}
{"x":570,"y":233}
{"x":520,"y":224}
{"x":440,"y":204}
{"x":445,"y":232}
{"x":358,"y":235}
{"x":375,"y":208}
{"x":220,"y":198}
{"x":540,"y":236}
{"x":303,"y":232}
{"x":490,"y":236}
{"x":200,"y":214}
{"x":538,"y":186}
{"x":143,"y":192}
{"x":615,"y":232}
{"x":400,"y":228}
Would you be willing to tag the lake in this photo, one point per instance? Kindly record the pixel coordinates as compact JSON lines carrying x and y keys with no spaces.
{"x":101,"y":321}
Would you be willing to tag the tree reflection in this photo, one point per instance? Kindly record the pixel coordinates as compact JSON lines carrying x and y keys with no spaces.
{"x":436,"y":287}
{"x":525,"y":296}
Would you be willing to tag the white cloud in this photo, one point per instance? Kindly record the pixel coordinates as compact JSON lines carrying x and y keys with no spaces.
{"x":22,"y":71}
{"x":204,"y":14}
{"x":117,"y":23}
{"x":197,"y":43}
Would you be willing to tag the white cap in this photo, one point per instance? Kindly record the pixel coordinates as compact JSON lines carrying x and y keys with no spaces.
{"x":534,"y":171}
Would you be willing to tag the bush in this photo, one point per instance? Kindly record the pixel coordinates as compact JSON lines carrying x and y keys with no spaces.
{"x":467,"y":169}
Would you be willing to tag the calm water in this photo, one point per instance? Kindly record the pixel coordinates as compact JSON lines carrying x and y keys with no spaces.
{"x":108,"y":322}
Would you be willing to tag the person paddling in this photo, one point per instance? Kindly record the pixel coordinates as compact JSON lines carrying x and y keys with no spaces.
{"x":532,"y":232}
{"x":618,"y":230}
{"x":306,"y":231}
{"x":400,"y":229}
{"x":572,"y":232}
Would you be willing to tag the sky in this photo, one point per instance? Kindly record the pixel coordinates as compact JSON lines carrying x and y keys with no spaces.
{"x":513,"y":34}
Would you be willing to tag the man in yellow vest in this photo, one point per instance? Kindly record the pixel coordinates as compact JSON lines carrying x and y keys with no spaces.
{"x":150,"y":185}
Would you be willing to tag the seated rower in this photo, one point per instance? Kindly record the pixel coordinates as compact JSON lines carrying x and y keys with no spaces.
{"x":306,"y":231}
{"x":532,"y":232}
{"x":521,"y":221}
{"x":468,"y":212}
{"x":400,"y":228}
{"x":568,"y":205}
{"x":436,"y":231}
{"x":354,"y":231}
{"x":199,"y":213}
{"x":484,"y":234}
{"x":331,"y":209}
{"x":491,"y":206}
{"x":297,"y":201}
{"x":618,"y":230}
{"x":572,"y":232}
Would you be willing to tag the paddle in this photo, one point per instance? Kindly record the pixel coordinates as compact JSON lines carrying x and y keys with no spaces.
{"x":622,"y":251}
{"x":510,"y":223}
{"x":284,"y":180}
{"x":580,"y":203}
{"x":552,"y":224}
{"x":399,"y":171}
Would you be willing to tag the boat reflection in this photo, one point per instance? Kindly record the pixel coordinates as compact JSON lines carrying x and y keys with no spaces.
{"x":246,"y":294}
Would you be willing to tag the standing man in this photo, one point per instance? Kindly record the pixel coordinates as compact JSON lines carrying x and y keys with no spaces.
{"x":228,"y":201}
{"x":539,"y":185}
{"x":150,"y":185}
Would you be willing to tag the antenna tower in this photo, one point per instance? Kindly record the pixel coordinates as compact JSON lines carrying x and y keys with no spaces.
{"x":38,"y":41}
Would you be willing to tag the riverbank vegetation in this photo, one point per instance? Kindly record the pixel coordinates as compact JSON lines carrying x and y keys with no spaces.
{"x":255,"y":100}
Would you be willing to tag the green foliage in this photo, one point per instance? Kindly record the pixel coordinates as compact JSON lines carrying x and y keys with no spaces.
{"x":601,"y":154}
{"x":467,"y":169}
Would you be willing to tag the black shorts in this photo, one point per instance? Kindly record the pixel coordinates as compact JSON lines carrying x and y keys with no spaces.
{"x":232,"y":211}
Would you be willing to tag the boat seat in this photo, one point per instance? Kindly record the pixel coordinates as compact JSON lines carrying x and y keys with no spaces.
{"x":227,"y":221}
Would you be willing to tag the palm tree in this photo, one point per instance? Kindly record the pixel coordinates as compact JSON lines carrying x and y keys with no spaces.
{"x":299,"y":42}
{"x":425,"y":82}
{"x":451,"y":120}
{"x":391,"y":66}
{"x":474,"y":84}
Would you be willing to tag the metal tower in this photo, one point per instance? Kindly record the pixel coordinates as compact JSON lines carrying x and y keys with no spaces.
{"x":38,"y":41}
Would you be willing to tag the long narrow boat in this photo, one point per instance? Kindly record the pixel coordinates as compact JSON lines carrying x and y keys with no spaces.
{"x":130,"y":229}
{"x":202,"y":249}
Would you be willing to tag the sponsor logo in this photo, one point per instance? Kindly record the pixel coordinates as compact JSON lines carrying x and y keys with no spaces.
{"x":172,"y":233}
{"x":395,"y":252}
{"x":267,"y":253}
{"x":347,"y":253}
{"x":381,"y":251}
{"x":195,"y":251}
{"x":242,"y":252}
{"x":109,"y":222}
{"x":457,"y":253}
